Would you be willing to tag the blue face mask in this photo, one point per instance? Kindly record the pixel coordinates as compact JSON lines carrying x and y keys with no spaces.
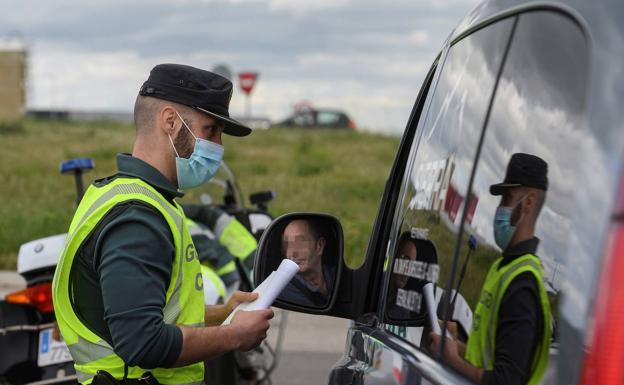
{"x":201,"y":166}
{"x":503,"y":229}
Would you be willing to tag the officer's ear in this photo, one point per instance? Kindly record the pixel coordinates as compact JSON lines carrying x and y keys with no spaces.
{"x":168,"y":120}
{"x":530,"y":206}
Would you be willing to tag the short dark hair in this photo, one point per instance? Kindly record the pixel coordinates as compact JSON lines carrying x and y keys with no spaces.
{"x":541,"y":198}
{"x":146,"y":109}
{"x":404,"y":237}
{"x":315,"y":227}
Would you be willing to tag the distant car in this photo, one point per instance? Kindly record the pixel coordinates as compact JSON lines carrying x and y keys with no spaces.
{"x":255,"y":123}
{"x":318,"y":118}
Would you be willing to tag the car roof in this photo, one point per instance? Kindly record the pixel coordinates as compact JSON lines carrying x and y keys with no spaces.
{"x":594,"y":15}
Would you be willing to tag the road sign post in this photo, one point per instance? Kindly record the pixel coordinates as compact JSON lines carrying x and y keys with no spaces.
{"x":247,"y":81}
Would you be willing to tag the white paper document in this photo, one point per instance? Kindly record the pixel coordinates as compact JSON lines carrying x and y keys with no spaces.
{"x":431,"y":308}
{"x":269,"y":289}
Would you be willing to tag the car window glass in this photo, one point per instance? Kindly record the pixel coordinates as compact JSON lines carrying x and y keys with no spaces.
{"x":327,"y":118}
{"x":537,"y":112}
{"x":305,"y":118}
{"x":434,"y":189}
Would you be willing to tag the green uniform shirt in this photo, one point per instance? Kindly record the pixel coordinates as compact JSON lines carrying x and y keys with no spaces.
{"x":131,"y":251}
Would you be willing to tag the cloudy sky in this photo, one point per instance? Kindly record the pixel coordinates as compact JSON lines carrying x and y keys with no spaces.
{"x":365,"y":56}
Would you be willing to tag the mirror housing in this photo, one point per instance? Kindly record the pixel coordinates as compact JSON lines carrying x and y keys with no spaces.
{"x":315,"y":242}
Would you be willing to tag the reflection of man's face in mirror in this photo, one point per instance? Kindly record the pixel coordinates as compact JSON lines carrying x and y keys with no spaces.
{"x":303,"y":246}
{"x":407,"y":250}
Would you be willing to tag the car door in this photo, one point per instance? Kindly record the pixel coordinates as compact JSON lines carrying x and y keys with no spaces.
{"x":440,"y":161}
{"x":443,"y":227}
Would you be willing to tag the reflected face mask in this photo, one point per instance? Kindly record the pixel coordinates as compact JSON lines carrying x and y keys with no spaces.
{"x":201,"y":166}
{"x":503,"y":229}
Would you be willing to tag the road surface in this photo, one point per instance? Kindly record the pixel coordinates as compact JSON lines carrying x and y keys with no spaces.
{"x":312,"y":344}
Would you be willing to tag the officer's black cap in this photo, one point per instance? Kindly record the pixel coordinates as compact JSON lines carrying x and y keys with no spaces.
{"x":202,"y":90}
{"x":523,"y":170}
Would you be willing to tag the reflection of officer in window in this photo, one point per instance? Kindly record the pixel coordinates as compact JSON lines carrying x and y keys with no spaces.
{"x":407,"y":251}
{"x":510,"y":337}
{"x":304,"y":244}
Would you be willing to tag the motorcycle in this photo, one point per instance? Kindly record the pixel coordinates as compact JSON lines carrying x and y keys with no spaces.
{"x":31,"y":348}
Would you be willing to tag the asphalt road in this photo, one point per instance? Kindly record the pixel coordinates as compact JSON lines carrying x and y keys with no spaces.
{"x":311,"y":344}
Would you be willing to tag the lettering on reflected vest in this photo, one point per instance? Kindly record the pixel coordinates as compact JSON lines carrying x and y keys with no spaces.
{"x":485,"y":300}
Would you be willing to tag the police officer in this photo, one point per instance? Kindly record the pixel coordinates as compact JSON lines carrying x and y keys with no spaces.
{"x":128,"y":290}
{"x":510,"y":337}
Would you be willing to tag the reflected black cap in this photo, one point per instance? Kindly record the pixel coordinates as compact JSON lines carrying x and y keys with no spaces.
{"x":202,"y":90}
{"x":523,"y":170}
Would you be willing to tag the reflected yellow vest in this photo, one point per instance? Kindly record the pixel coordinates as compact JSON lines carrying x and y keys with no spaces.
{"x":184,"y":300}
{"x":482,"y":341}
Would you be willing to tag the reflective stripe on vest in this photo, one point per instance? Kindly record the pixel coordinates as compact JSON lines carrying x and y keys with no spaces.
{"x":480,"y":350}
{"x":184,"y":304}
{"x":236,"y":238}
{"x":221,"y":262}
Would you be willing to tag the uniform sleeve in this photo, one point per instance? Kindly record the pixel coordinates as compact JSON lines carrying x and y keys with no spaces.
{"x":518,"y":332}
{"x":136,"y":253}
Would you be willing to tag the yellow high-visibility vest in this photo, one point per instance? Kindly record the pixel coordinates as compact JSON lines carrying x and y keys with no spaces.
{"x":480,"y":349}
{"x":184,"y":299}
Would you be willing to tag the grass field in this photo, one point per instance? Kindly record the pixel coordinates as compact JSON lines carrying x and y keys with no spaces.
{"x":338,"y":172}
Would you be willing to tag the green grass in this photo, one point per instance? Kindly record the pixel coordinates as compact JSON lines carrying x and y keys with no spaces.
{"x":338,"y":172}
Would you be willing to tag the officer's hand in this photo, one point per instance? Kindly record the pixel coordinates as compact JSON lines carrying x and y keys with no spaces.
{"x":451,"y":328}
{"x":451,"y":352}
{"x":216,"y":314}
{"x":250,"y":327}
{"x":237,"y":298}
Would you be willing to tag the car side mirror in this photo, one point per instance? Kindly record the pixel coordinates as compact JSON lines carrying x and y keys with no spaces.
{"x":315,"y":243}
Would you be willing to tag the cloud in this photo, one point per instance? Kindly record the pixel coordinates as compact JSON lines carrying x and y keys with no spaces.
{"x":355,"y":55}
{"x":301,"y":7}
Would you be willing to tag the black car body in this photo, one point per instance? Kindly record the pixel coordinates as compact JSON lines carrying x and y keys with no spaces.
{"x":540,"y":77}
{"x":318,"y":118}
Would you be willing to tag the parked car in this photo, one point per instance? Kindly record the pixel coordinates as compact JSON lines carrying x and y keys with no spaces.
{"x":255,"y":122}
{"x":539,"y":77}
{"x":318,"y":118}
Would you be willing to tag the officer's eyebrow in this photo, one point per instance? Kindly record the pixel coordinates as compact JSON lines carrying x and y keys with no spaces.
{"x":213,"y":127}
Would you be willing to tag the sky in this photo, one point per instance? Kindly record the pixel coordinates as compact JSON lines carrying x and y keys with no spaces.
{"x":367,"y":57}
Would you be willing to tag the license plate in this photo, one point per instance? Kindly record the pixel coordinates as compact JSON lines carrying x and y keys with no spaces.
{"x":51,"y":351}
